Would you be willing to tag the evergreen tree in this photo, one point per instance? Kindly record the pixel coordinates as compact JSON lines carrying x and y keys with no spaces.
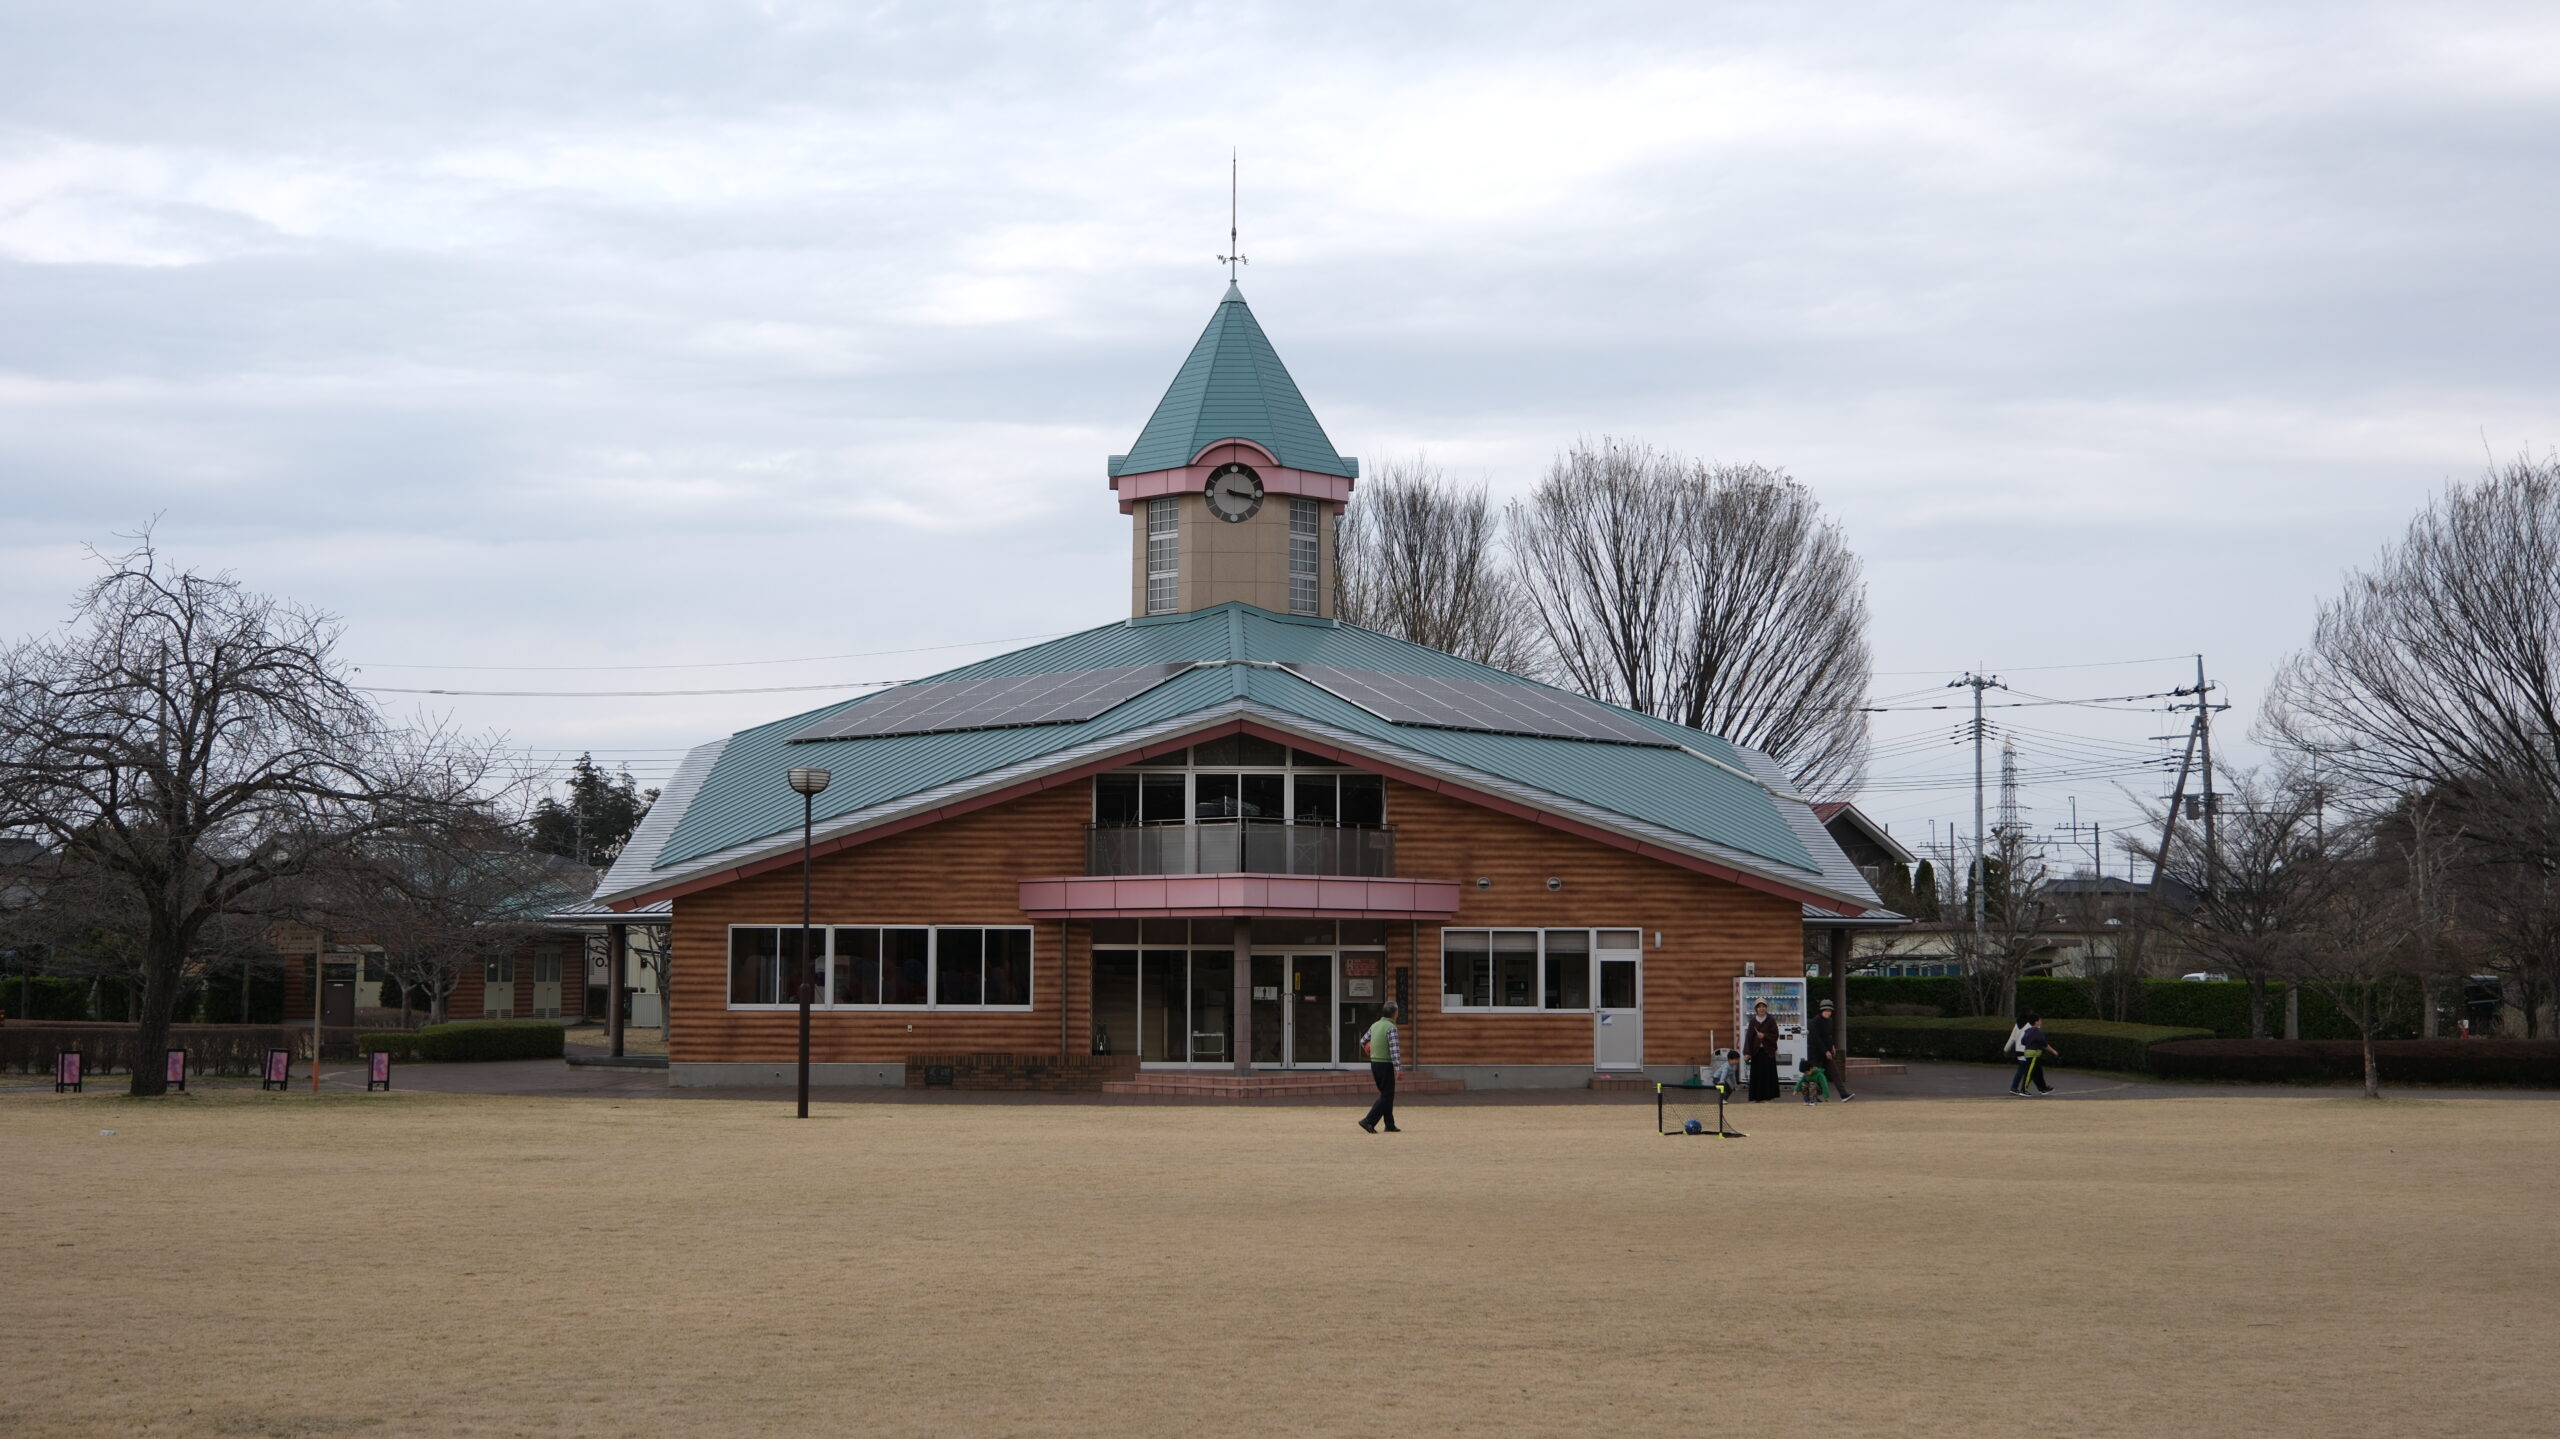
{"x":1924,"y":893}
{"x":1893,"y":886}
{"x":598,"y":817}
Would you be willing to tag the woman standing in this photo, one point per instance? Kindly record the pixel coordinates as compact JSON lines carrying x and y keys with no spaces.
{"x":1760,"y":1042}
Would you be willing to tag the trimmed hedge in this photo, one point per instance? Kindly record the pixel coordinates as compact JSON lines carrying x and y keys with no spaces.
{"x":2527,"y":1063}
{"x":2221,"y":1006}
{"x":1943,"y":993}
{"x":106,"y":1048}
{"x":45,"y":996}
{"x":469,"y":1040}
{"x":2083,"y":1043}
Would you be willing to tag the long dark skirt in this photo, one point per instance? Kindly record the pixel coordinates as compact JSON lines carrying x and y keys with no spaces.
{"x":1764,"y":1078}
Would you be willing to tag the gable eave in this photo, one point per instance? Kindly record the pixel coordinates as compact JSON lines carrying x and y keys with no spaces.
{"x":1076,"y":762}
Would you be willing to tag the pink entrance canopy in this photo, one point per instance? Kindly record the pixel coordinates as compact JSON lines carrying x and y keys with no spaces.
{"x":1308,"y":896}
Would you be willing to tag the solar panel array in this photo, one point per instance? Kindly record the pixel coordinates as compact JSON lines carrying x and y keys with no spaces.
{"x":1487,"y":706}
{"x":998,"y":702}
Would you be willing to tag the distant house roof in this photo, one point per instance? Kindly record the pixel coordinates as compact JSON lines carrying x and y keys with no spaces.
{"x":1849,"y":823}
{"x":1233,"y":387}
{"x":1694,"y":795}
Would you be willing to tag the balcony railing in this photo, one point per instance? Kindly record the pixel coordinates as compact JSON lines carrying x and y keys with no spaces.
{"x":1241,"y":846}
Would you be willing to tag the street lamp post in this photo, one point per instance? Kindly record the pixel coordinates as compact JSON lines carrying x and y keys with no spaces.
{"x":810,"y":783}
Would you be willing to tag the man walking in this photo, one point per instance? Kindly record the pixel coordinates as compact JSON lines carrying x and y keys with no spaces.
{"x":1386,"y":1051}
{"x":1823,"y":1042}
{"x":2032,"y":1049}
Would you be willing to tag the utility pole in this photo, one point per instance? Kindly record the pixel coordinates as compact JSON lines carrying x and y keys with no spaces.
{"x":1977,"y":684}
{"x":2204,"y":743}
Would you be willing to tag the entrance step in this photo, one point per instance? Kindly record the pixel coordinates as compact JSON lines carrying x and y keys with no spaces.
{"x":1863,"y":1067}
{"x":1275,"y":1084}
{"x":1630,"y":1083}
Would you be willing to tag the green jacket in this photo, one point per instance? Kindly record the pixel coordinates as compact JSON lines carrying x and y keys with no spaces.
{"x":1385,"y":1046}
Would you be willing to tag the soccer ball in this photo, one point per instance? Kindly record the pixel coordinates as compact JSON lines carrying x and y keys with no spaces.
{"x":1693,"y":1127}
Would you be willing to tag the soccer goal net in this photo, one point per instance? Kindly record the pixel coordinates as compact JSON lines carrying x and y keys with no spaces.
{"x":1691,"y":1109}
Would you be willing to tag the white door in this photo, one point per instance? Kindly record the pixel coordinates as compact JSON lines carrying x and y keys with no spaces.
{"x":1617,"y":1019}
{"x":546,"y":984}
{"x":498,"y":989}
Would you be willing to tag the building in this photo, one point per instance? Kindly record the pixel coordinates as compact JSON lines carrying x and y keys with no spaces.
{"x":1221,"y":833}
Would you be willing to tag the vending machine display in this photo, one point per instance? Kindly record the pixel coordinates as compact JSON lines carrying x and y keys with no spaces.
{"x":1785,"y":998}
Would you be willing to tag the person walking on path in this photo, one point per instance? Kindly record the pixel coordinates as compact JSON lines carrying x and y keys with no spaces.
{"x":1823,"y":1043}
{"x":2032,"y":1050}
{"x":1760,"y":1045}
{"x":1386,"y":1051}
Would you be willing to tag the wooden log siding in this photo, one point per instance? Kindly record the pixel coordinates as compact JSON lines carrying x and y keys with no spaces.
{"x":963,"y":871}
{"x":1710,"y":929}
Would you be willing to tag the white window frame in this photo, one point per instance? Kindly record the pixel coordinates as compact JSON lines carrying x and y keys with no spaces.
{"x":1591,"y":955}
{"x":1305,"y":554}
{"x":1288,"y":769}
{"x":825,"y":933}
{"x":1164,"y":555}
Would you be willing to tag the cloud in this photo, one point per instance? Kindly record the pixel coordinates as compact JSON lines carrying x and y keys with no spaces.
{"x":638,"y":333}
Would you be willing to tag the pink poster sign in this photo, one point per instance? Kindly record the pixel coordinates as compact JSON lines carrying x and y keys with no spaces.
{"x":279,"y":1066}
{"x":177,"y":1066}
{"x":382,"y":1068}
{"x":66,"y":1068}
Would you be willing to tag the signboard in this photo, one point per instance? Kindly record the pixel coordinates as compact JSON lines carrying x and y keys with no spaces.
{"x":1360,"y":989}
{"x":377,"y":1073}
{"x":177,"y":1071}
{"x":1360,"y":966}
{"x":1266,"y":991}
{"x":66,"y":1070}
{"x":279,"y":1070}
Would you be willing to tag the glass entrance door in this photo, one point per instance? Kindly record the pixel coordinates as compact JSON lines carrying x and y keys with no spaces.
{"x":1311,"y":1001}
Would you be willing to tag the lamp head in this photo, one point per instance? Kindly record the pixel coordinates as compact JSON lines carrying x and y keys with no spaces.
{"x":811,"y":781}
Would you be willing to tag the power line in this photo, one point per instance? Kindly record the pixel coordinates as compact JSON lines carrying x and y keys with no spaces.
{"x":719,"y":664}
{"x":631,"y":694}
{"x":2031,"y":669}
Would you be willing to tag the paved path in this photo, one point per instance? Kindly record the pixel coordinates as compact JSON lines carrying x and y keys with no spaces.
{"x":551,"y":1077}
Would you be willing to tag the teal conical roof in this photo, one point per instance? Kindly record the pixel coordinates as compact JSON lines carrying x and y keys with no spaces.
{"x":1233,"y":387}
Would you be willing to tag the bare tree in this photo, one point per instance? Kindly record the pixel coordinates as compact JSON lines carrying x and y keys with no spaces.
{"x":2018,"y":913}
{"x":1717,"y":596}
{"x":443,"y":897}
{"x":2250,"y":898}
{"x":1420,"y":558}
{"x":198,"y":742}
{"x":2437,"y":672}
{"x":2365,"y":947}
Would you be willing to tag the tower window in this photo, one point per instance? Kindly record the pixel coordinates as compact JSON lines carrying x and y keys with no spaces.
{"x":1164,"y":555}
{"x":1302,"y":556}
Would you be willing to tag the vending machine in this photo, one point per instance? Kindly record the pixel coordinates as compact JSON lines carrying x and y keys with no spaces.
{"x":1785,"y":998}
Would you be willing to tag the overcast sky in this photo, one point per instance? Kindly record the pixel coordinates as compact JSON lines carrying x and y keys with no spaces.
{"x":625,"y":334}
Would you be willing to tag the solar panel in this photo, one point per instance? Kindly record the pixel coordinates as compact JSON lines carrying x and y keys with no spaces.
{"x":997,"y":702}
{"x":1484,"y":705}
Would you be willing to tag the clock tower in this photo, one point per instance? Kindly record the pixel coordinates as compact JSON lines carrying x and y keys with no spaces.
{"x":1232,"y":488}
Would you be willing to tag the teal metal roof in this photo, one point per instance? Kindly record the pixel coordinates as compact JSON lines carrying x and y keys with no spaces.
{"x":743,"y":798}
{"x":1233,"y":387}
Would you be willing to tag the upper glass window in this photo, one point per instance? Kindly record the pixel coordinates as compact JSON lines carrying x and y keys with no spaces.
{"x":1164,"y":555}
{"x":1240,"y":777}
{"x":1303,"y":551}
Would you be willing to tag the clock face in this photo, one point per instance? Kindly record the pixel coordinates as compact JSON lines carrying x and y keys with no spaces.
{"x":1234,"y":492}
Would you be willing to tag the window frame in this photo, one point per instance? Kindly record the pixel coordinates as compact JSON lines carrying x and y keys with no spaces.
{"x":1181,"y":762}
{"x":1591,"y":957}
{"x":1167,"y":599}
{"x":1306,"y":543}
{"x":823,"y":932}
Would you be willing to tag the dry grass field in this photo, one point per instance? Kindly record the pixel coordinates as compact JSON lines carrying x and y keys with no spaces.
{"x":242,"y":1264}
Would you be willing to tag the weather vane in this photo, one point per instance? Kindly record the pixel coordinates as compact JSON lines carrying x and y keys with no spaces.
{"x":1232,"y":258}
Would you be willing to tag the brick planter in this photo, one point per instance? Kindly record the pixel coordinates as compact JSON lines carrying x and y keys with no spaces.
{"x":1044,"y":1073}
